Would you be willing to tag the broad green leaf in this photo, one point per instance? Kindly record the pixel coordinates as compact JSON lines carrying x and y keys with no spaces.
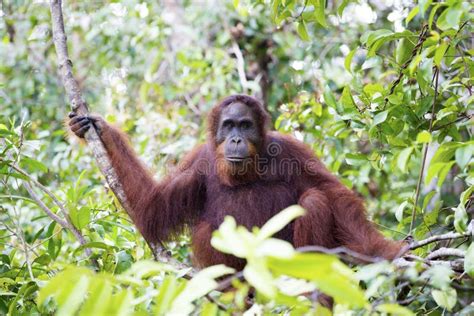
{"x":319,"y":12}
{"x":380,"y":117}
{"x":463,"y":155}
{"x":94,"y":244}
{"x":439,"y":276}
{"x":460,"y":218}
{"x":33,"y":165}
{"x":71,"y":295}
{"x":259,"y":277}
{"x":347,"y":100}
{"x":445,"y":152}
{"x":403,"y":158}
{"x":121,"y":303}
{"x":446,"y":298}
{"x":433,"y":171}
{"x":229,"y":239}
{"x":348,"y":60}
{"x":450,"y":18}
{"x":404,"y":50}
{"x":439,"y":54}
{"x":469,"y":261}
{"x":444,"y":172}
{"x":423,"y":137}
{"x":342,"y":6}
{"x":275,"y":248}
{"x":356,"y":159}
{"x":412,"y":14}
{"x":279,"y":221}
{"x":169,"y":290}
{"x":424,"y":5}
{"x":332,"y":276}
{"x":428,"y":198}
{"x":100,"y":293}
{"x":302,"y":31}
{"x":201,"y":284}
{"x":80,"y":217}
{"x":329,"y":98}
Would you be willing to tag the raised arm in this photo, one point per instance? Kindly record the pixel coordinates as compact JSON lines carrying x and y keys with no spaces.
{"x":159,"y":209}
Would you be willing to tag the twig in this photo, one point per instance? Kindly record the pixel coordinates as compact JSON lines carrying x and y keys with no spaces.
{"x":425,"y":151}
{"x":432,"y":239}
{"x":446,"y":252}
{"x":240,"y":66}
{"x":227,"y":282}
{"x":339,"y":251}
{"x":421,"y":39}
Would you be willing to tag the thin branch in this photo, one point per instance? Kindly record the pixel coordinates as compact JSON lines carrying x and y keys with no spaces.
{"x":433,"y":239}
{"x":446,"y":252}
{"x":341,"y":251}
{"x":64,"y":224}
{"x":425,"y":151}
{"x":421,"y":39}
{"x":240,"y":66}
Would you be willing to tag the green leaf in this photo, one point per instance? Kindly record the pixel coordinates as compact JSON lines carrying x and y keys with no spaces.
{"x":169,"y":289}
{"x":463,"y":155}
{"x":121,"y":303}
{"x":200,"y":285}
{"x":279,"y":221}
{"x":404,"y":158}
{"x":80,"y":217}
{"x":439,"y":53}
{"x":33,"y":165}
{"x":469,"y":261}
{"x":332,"y":277}
{"x":347,"y":100}
{"x":424,"y":5}
{"x":302,"y":32}
{"x":94,"y":244}
{"x":423,"y":137}
{"x":460,"y":218}
{"x":394,"y":309}
{"x":343,"y":5}
{"x":329,"y":98}
{"x":446,"y":299}
{"x":404,"y":50}
{"x":319,"y":12}
{"x":445,"y":152}
{"x":259,"y":277}
{"x":450,"y":18}
{"x":380,"y":117}
{"x":399,"y":211}
{"x":412,"y":14}
{"x":348,"y":60}
{"x":444,"y":172}
{"x":356,"y":159}
{"x":98,"y":299}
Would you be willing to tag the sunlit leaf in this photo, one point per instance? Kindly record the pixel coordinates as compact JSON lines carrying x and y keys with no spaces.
{"x":446,"y":298}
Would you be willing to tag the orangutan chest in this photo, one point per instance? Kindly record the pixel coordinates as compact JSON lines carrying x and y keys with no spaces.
{"x":251,"y":204}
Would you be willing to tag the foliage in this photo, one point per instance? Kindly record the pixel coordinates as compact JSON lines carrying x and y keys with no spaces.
{"x":381,"y":91}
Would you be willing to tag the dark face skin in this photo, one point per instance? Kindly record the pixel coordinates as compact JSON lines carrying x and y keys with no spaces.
{"x":237,"y":129}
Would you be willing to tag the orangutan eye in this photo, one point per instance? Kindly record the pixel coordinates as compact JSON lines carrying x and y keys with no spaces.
{"x":228,"y":124}
{"x":246,"y":124}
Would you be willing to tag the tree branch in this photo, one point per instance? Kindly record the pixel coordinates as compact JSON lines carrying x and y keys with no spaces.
{"x":79,"y":105}
{"x":432,"y":239}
